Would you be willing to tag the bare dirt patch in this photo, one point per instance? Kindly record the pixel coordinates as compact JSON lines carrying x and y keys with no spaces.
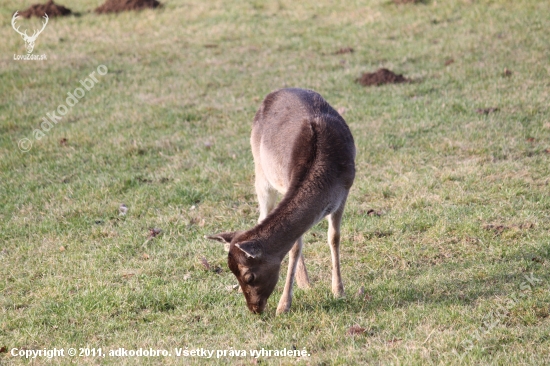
{"x":117,"y":6}
{"x":398,"y":2}
{"x":207,"y":266}
{"x":53,"y":10}
{"x":381,"y":76}
{"x":499,"y":228}
{"x":344,"y":50}
{"x":356,"y":330}
{"x":487,"y":110}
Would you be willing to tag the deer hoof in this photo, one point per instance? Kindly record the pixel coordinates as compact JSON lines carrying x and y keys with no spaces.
{"x":338,"y":293}
{"x":283,"y":308}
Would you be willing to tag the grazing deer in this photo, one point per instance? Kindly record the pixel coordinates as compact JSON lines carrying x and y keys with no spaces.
{"x":304,"y":150}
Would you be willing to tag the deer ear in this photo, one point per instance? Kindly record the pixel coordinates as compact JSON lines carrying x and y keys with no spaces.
{"x":224,"y":238}
{"x":250,"y":248}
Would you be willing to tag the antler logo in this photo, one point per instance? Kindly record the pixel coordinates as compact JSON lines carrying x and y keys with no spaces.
{"x":29,"y":40}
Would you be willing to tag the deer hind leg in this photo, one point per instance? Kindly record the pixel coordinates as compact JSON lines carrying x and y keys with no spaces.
{"x":334,"y":221}
{"x":294,"y":257}
{"x":267,"y":195}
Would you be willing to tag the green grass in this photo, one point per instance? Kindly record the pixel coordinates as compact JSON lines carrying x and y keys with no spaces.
{"x":464,"y":196}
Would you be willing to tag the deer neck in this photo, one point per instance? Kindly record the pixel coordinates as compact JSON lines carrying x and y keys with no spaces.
{"x":294,"y":215}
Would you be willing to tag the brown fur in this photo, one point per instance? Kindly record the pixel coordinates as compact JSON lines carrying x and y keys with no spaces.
{"x":304,"y":150}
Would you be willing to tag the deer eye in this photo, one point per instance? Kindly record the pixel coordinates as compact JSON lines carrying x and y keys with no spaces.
{"x":249,"y":278}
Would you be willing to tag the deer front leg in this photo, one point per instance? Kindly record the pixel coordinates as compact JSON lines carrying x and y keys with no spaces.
{"x":334,"y":221}
{"x":302,"y":279}
{"x":293,"y":259}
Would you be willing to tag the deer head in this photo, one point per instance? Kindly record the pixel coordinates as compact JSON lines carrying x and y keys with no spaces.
{"x":257,"y":275}
{"x":29,"y":40}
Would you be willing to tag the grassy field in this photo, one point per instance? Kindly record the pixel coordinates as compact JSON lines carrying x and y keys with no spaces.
{"x":454,"y":264}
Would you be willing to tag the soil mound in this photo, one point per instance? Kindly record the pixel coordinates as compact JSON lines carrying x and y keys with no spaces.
{"x":117,"y":6}
{"x":382,"y":76}
{"x":53,"y":10}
